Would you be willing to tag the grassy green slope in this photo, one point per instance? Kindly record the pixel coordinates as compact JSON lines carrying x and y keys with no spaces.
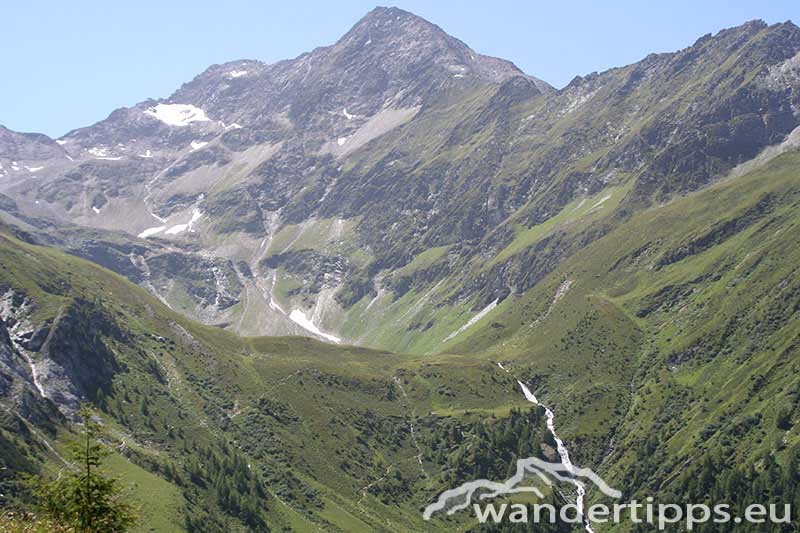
{"x":676,"y":334}
{"x":213,"y":431}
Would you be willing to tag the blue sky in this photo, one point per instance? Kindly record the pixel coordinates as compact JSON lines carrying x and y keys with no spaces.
{"x":68,"y":64}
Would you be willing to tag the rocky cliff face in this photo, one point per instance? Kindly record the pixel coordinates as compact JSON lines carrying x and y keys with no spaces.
{"x":403,"y":163}
{"x":67,"y":360}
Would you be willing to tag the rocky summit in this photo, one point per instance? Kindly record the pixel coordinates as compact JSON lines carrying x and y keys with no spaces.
{"x":625,"y":245}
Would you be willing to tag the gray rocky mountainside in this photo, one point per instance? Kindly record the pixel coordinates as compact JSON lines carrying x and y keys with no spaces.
{"x":395,"y":187}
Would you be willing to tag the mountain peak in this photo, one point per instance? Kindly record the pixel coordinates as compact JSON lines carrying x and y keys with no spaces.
{"x":393,"y":26}
{"x":391,"y":16}
{"x":403,"y":40}
{"x":389,"y":13}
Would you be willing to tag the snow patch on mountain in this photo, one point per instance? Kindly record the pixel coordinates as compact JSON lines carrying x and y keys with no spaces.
{"x":602,"y":200}
{"x":580,"y":204}
{"x":177,"y":114}
{"x":196,"y":145}
{"x":101,"y":152}
{"x":472,"y":321}
{"x":300,"y":318}
{"x":180,"y":228}
{"x":237,"y":73}
{"x":151,"y":231}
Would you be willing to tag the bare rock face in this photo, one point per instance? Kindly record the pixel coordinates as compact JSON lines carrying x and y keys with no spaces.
{"x":225,"y":126}
{"x":28,"y":146}
{"x":63,"y":361}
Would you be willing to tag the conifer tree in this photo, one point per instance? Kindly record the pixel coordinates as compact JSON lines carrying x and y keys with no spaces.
{"x":84,"y":497}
